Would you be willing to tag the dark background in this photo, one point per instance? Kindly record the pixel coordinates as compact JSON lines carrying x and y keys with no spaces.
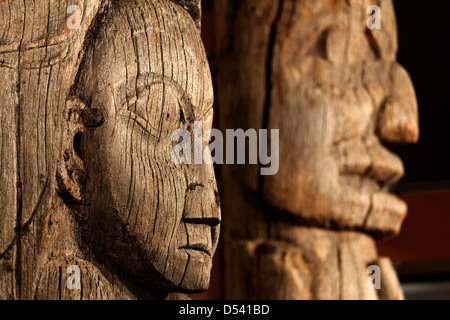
{"x":424,"y":50}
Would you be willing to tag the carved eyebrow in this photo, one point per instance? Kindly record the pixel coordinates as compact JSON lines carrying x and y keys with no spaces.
{"x":146,"y":80}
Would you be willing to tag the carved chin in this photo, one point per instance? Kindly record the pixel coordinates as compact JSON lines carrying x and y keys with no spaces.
{"x":181,"y":270}
{"x":196,"y":276}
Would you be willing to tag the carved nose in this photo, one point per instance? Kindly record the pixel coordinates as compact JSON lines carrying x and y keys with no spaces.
{"x":202,"y":204}
{"x":398,"y":118}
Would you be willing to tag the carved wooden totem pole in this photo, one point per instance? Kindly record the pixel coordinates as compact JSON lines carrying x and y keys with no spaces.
{"x":332,"y":86}
{"x":91,"y":204}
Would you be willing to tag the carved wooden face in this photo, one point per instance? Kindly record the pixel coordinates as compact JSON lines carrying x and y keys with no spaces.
{"x":156,"y":221}
{"x":349,"y":96}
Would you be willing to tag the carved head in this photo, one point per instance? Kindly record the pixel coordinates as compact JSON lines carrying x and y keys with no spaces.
{"x":144,"y":75}
{"x":348,"y":99}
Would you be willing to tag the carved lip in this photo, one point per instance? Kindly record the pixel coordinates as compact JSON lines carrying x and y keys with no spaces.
{"x":385,"y":168}
{"x":382,"y":174}
{"x":198,"y":235}
{"x":198,"y":247}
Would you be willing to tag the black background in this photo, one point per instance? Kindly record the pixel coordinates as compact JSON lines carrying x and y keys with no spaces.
{"x":424,"y":50}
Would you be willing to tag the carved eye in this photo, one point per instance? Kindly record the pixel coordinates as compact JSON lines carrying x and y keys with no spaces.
{"x":156,"y":110}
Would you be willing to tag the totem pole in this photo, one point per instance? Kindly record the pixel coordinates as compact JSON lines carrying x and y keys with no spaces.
{"x":92,"y":205}
{"x":318,"y":72}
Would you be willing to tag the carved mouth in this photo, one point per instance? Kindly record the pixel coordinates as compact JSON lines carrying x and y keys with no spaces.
{"x":381,"y":175}
{"x":373,"y":162}
{"x":198,"y":247}
{"x":366,"y":171}
{"x":196,"y":235}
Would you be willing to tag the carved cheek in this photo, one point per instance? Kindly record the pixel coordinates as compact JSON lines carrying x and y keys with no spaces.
{"x":353,"y":113}
{"x":148,"y":187}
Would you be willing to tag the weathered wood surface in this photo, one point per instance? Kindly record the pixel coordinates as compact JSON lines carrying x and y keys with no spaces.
{"x":86,"y":173}
{"x":332,"y":86}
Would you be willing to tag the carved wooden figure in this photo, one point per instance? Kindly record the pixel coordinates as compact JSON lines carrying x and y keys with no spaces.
{"x":314,"y":70}
{"x":90,"y":96}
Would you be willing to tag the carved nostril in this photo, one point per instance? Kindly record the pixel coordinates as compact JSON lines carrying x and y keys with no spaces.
{"x":92,"y":117}
{"x":193,"y":186}
{"x":77,"y":144}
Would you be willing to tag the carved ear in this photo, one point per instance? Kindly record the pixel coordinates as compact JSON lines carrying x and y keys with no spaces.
{"x":70,"y":172}
{"x":194,"y":8}
{"x":70,"y":175}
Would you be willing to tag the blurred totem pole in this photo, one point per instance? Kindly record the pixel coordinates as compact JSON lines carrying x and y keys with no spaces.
{"x":318,"y":71}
